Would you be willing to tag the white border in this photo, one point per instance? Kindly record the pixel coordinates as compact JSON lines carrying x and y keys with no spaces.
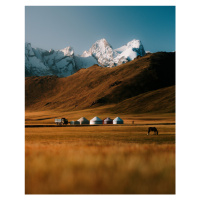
{"x":12,"y":98}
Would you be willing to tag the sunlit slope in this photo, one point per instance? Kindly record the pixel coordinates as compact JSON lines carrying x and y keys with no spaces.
{"x":98,"y":86}
{"x":161,"y":100}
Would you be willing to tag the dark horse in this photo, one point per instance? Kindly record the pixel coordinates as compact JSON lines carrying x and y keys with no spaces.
{"x":152,"y":129}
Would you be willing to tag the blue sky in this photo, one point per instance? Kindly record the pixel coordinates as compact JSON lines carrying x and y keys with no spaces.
{"x":56,"y":27}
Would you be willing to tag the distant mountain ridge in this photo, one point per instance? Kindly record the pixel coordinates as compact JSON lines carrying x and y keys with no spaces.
{"x":64,"y":62}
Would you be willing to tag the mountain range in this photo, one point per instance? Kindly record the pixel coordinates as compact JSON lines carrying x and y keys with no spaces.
{"x":145,"y":84}
{"x":64,"y":62}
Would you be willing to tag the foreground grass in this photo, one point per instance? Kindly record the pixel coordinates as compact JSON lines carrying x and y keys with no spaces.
{"x":99,"y":160}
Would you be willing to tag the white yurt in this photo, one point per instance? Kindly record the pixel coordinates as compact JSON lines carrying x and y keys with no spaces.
{"x":118,"y":120}
{"x":74,"y":122}
{"x":96,"y":120}
{"x":108,"y":121}
{"x":83,"y":120}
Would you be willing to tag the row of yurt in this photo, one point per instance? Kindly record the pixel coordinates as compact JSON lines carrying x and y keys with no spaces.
{"x":97,"y":120}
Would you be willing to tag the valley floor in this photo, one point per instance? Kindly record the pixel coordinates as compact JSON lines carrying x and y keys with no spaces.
{"x":47,"y":117}
{"x":118,"y":159}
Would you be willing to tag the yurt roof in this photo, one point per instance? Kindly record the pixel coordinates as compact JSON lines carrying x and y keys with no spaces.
{"x":107,"y":119}
{"x":82,"y":119}
{"x":117,"y":119}
{"x":96,"y":119}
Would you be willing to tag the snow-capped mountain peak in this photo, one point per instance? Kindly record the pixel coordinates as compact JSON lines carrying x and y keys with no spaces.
{"x":101,"y":45}
{"x":64,"y":62}
{"x":86,"y":54}
{"x":68,"y":51}
{"x":103,"y":52}
{"x":130,"y":51}
{"x":134,"y":45}
{"x":109,"y":57}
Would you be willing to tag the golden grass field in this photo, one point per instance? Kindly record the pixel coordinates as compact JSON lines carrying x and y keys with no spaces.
{"x":101,"y":159}
{"x":105,"y":159}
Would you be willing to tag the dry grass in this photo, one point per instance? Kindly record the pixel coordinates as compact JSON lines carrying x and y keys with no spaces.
{"x":99,"y":160}
{"x":47,"y":117}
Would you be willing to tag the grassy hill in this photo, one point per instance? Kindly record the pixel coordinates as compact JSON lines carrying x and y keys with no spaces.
{"x":161,"y":100}
{"x":145,"y":84}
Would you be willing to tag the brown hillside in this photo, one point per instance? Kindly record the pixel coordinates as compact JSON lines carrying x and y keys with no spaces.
{"x":97,"y":86}
{"x":161,"y":100}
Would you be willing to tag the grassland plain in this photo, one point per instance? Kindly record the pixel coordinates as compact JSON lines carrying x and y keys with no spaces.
{"x":100,"y":159}
{"x":47,"y":117}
